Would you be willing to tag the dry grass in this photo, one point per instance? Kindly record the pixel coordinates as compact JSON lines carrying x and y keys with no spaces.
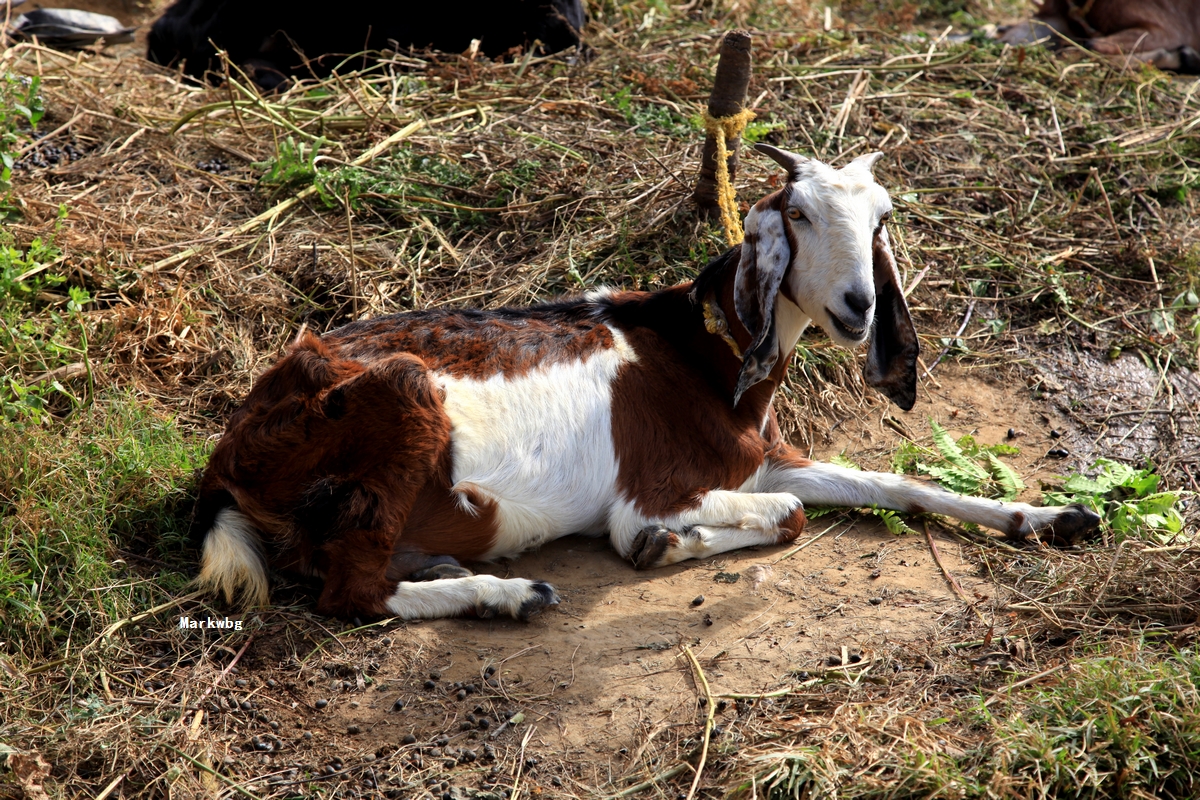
{"x":1044,"y":204}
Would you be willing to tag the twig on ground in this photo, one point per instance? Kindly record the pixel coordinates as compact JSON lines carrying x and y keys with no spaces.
{"x":710,"y":712}
{"x":950,"y":579}
{"x":516,"y":787}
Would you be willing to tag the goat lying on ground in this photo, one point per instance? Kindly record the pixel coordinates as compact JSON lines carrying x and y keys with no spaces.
{"x":1165,"y":33}
{"x":380,"y":455}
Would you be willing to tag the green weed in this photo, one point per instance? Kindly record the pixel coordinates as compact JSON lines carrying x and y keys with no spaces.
{"x":36,"y":336}
{"x":294,"y":166}
{"x":758,"y":130}
{"x":651,"y":118}
{"x":20,"y":103}
{"x":398,"y":183}
{"x":1112,"y":727}
{"x":962,"y":466}
{"x":1127,"y":499}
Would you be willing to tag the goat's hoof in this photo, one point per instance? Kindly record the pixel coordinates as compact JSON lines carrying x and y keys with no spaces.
{"x":649,"y":546}
{"x":1076,"y":523}
{"x":440,"y":572}
{"x":536,"y":595}
{"x":543,"y":595}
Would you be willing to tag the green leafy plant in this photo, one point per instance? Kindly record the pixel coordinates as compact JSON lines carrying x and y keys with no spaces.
{"x":962,"y":466}
{"x":649,"y":118}
{"x":20,"y":102}
{"x":757,"y":130}
{"x":35,"y":335}
{"x":1127,"y":498}
{"x":294,"y":165}
{"x":24,"y":273}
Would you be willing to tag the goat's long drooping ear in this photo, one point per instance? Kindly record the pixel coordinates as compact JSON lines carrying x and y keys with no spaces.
{"x":766,"y":255}
{"x":892,"y":354}
{"x":789,"y":161}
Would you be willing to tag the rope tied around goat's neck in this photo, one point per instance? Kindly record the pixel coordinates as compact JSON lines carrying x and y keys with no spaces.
{"x":723,"y":130}
{"x":716,"y":324}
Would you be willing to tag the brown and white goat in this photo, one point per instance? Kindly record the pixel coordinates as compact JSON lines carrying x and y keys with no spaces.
{"x":380,"y":455}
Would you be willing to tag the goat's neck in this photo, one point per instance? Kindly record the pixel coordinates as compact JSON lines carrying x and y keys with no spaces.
{"x":790,"y":323}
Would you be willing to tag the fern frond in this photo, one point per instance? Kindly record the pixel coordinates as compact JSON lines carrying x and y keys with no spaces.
{"x":892,"y":521}
{"x":952,"y":453}
{"x":955,"y":479}
{"x":1007,"y":477}
{"x":841,"y":460}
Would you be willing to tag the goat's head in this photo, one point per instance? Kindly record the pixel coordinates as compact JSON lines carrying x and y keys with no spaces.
{"x":821,"y":243}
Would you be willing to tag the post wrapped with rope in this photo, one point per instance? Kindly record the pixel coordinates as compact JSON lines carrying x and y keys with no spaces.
{"x":724,"y":130}
{"x":724,"y":122}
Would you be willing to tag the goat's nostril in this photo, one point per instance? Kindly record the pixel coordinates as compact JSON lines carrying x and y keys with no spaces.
{"x":859,"y":302}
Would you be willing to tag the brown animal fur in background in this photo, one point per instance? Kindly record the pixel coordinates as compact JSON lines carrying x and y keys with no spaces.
{"x":1165,"y":33}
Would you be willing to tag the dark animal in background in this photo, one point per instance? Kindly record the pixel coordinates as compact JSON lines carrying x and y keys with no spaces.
{"x":379,"y":455}
{"x":1165,"y":33}
{"x":274,"y":40}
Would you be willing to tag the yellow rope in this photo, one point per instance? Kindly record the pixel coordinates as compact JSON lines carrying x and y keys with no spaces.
{"x":715,"y":323}
{"x":724,"y":129}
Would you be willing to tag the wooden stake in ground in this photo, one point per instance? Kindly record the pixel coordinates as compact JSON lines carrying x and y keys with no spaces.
{"x":728,"y":100}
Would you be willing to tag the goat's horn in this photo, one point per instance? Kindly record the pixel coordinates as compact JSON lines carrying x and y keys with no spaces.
{"x":789,"y":161}
{"x":866,"y":161}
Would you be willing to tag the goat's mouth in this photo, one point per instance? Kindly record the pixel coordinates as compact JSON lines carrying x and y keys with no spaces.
{"x":846,"y":331}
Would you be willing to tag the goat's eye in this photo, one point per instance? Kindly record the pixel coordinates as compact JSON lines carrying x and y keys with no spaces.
{"x":795,"y":213}
{"x":887,"y":215}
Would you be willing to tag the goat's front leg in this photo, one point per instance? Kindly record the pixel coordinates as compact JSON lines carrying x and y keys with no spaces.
{"x":720,"y":521}
{"x":820,"y":484}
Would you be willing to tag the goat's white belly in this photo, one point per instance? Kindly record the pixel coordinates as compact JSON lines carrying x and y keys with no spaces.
{"x":540,"y":446}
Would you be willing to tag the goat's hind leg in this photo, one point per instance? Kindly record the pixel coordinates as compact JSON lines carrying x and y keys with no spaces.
{"x":820,"y":484}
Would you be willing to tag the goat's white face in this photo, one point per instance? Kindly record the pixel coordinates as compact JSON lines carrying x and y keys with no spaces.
{"x":821,"y":243}
{"x":834,"y":217}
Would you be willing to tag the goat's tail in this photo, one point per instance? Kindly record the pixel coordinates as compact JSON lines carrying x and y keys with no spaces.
{"x":232,"y":563}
